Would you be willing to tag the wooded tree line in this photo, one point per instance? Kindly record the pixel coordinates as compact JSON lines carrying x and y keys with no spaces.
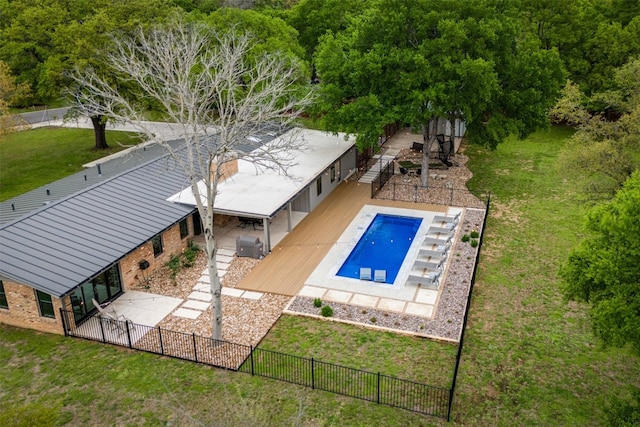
{"x":499,"y":65}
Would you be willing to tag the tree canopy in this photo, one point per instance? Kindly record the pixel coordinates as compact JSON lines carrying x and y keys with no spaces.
{"x":604,"y":150}
{"x":604,"y":270}
{"x":593,"y":37}
{"x":436,"y":58}
{"x":216,"y":93}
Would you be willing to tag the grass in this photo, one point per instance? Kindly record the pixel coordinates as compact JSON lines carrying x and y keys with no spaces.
{"x":52,"y":380}
{"x":33,"y":158}
{"x":364,"y":349}
{"x":529,"y":356}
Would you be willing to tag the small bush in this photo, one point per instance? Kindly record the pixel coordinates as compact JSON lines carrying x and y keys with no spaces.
{"x":326,"y":311}
{"x":174,"y":265}
{"x":373,"y":320}
{"x":475,"y":234}
{"x":317,"y":302}
{"x":474,"y":243}
{"x":465,"y":238}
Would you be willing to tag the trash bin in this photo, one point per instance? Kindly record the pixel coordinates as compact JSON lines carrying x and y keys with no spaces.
{"x":249,"y":246}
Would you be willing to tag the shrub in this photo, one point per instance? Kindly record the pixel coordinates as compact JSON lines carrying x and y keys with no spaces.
{"x":474,"y":243}
{"x":190,"y":255}
{"x":465,"y":238}
{"x":326,"y":311}
{"x":475,"y":234}
{"x":317,"y":302}
{"x":373,"y":320}
{"x":174,"y":265}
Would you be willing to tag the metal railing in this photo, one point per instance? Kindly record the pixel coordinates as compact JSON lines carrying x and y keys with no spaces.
{"x":308,"y":372}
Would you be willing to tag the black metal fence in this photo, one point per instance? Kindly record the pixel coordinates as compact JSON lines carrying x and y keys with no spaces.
{"x":438,"y":192}
{"x":360,"y":384}
{"x":318,"y":375}
{"x":365,"y":385}
{"x":466,"y":310}
{"x":384,"y":176}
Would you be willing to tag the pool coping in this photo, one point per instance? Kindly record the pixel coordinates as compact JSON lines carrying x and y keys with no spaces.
{"x":324,"y":275}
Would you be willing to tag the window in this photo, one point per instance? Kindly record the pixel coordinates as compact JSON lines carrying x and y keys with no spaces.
{"x":333,"y":173}
{"x":184,"y":228}
{"x":157,"y":245}
{"x":319,"y":185}
{"x":45,"y":304}
{"x":3,"y":297}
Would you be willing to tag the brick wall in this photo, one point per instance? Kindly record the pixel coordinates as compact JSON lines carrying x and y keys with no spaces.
{"x":132,"y":276}
{"x":23,"y":310}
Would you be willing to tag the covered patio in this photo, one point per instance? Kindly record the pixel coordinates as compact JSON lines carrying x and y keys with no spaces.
{"x":266,"y":195}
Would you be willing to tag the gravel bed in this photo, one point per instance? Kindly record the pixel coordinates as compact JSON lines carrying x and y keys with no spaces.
{"x":244,"y":321}
{"x":446,"y":324}
{"x":248,"y":321}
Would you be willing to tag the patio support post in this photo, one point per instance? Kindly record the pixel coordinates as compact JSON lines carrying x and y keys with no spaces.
{"x":267,"y":236}
{"x":289,"y":217}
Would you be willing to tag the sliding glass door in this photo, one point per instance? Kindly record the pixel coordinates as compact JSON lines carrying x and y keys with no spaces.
{"x":104,"y":287}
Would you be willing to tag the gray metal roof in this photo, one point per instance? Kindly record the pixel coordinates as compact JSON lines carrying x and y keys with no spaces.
{"x":84,"y":226}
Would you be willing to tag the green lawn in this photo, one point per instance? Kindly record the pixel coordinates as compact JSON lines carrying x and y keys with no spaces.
{"x":529,"y":356}
{"x":33,"y":158}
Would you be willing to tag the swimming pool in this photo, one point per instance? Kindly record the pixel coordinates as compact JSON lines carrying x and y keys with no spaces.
{"x":383,"y":246}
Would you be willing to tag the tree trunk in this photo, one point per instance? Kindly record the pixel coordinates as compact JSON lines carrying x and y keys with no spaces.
{"x":429,"y":132}
{"x":214,"y":279}
{"x":100,"y":132}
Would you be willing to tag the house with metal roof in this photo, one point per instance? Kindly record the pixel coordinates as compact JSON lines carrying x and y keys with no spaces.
{"x":93,"y":235}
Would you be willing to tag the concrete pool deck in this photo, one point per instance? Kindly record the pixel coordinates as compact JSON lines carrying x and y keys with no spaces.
{"x":398,"y":297}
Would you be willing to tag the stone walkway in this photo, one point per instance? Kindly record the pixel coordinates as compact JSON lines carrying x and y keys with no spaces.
{"x":199,"y":300}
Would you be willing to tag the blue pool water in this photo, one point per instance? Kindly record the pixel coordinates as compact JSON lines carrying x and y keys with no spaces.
{"x":382,"y":247}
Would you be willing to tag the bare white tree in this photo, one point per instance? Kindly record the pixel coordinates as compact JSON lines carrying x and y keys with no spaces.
{"x":216,"y":92}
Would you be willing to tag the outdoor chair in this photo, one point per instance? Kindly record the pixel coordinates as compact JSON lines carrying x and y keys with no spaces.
{"x":434,"y":264}
{"x":417,"y":147}
{"x":365,"y":273}
{"x":445,"y":229}
{"x":447,"y":219}
{"x":380,"y":276}
{"x":437,"y":253}
{"x":444,"y":240}
{"x":431,"y":280}
{"x":113,"y":319}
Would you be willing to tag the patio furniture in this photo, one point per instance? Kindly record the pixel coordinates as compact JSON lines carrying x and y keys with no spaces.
{"x":365,"y":273}
{"x":445,"y":229}
{"x":429,"y":253}
{"x":430,"y":280}
{"x":445,"y":240}
{"x":447,"y":219}
{"x":255,"y":222}
{"x":434,"y":264}
{"x":380,"y":276}
{"x":113,"y":319}
{"x":404,"y":171}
